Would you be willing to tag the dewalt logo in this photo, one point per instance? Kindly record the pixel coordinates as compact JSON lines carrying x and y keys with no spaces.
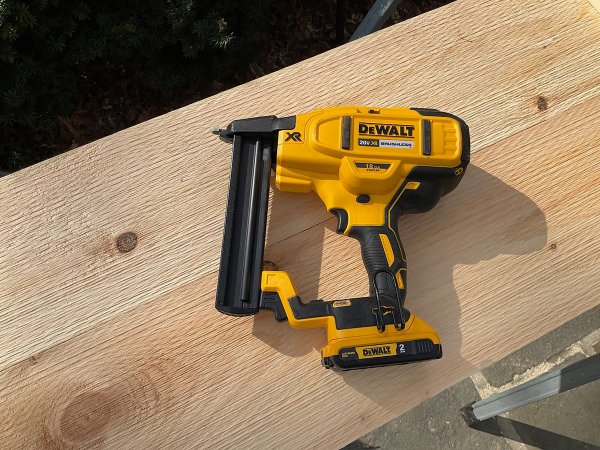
{"x":385,"y":129}
{"x":376,"y":351}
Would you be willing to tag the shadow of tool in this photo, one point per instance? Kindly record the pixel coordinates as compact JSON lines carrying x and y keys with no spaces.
{"x":530,"y":435}
{"x":284,"y":223}
{"x":481,"y":219}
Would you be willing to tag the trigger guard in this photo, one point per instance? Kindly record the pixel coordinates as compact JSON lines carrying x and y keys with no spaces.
{"x":342,"y":219}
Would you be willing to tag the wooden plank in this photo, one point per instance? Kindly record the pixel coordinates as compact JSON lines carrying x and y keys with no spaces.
{"x":167,"y":374}
{"x":595,"y":4}
{"x":166,"y":179}
{"x":102,"y":348}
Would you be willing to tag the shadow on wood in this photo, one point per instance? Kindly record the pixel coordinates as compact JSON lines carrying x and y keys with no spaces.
{"x":284,"y":338}
{"x":458,"y":231}
{"x":482,"y":219}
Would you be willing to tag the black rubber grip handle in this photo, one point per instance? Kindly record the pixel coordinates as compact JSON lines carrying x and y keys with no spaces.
{"x":382,"y":251}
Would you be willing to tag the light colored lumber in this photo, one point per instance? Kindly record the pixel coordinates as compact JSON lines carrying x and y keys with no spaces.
{"x":102,"y":349}
{"x":165,"y":179}
{"x":595,"y":4}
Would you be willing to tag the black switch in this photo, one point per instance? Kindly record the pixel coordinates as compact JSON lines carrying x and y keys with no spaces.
{"x":342,"y":220}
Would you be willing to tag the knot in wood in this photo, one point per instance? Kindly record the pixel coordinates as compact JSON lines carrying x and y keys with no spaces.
{"x":85,"y":417}
{"x":126,"y":242}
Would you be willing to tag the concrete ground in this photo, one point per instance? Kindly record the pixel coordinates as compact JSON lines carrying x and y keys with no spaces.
{"x":570,"y":420}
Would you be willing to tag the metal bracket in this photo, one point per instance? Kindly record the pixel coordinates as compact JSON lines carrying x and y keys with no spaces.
{"x":544,"y":386}
{"x":379,"y":13}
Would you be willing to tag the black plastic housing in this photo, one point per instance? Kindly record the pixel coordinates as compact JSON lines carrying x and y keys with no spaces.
{"x":254,"y":148}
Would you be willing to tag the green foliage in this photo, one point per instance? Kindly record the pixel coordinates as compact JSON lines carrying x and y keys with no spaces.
{"x":55,"y":52}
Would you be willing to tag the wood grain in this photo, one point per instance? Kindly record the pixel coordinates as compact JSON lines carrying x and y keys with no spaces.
{"x":103,"y":349}
{"x":595,"y":4}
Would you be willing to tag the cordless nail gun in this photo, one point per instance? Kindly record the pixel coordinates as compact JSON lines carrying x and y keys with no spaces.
{"x":369,"y":166}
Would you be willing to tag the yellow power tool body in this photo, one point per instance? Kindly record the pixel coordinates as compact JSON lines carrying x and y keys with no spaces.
{"x":368,"y":166}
